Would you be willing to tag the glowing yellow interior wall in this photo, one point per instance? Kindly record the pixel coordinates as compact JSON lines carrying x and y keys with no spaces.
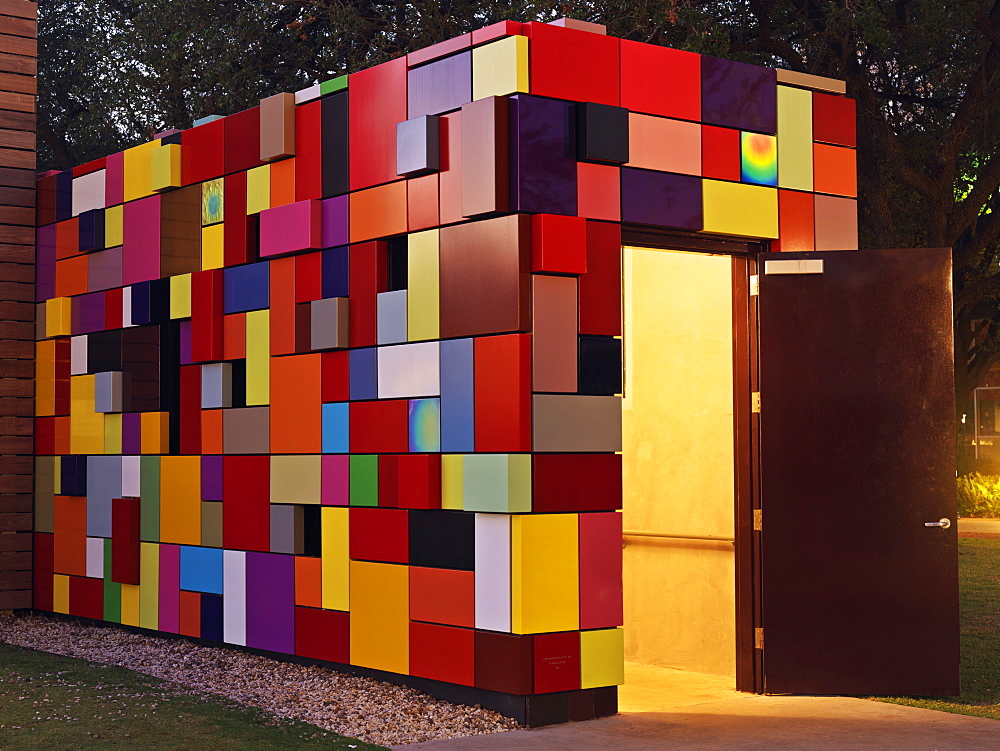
{"x":678,"y":459}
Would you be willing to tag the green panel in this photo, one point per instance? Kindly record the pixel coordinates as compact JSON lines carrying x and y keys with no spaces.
{"x":499,"y":483}
{"x":335,"y":84}
{"x":112,"y":590}
{"x":795,"y":144}
{"x":149,"y":493}
{"x":364,"y":480}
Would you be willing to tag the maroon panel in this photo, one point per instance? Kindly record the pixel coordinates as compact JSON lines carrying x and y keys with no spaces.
{"x":368,"y":277}
{"x":503,"y":662}
{"x":86,"y":597}
{"x":190,"y":409}
{"x":323,"y":634}
{"x":834,"y":119}
{"x":246,"y":503}
{"x":600,"y":288}
{"x":242,"y":141}
{"x":125,"y":540}
{"x":206,"y":315}
{"x":43,"y":566}
{"x":576,"y":482}
{"x":856,"y":456}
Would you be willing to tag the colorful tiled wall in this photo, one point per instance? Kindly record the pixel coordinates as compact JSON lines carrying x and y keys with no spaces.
{"x":339,"y":376}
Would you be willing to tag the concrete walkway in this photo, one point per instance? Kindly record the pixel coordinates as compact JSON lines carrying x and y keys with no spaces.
{"x":664,"y":709}
{"x":978,"y":527}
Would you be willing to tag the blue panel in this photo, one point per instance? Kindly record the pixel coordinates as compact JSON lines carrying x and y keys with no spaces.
{"x":201,"y":569}
{"x":425,"y":425}
{"x":364,"y":373}
{"x":246,"y":288}
{"x":336,"y":430}
{"x":151,"y":302}
{"x":457,"y":396}
{"x":335,"y":272}
{"x":92,"y":230}
{"x":104,"y":482}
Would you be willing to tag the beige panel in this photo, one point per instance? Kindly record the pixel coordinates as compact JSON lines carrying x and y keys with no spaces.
{"x":576,"y":423}
{"x":836,"y":223}
{"x":277,"y":127}
{"x":211,"y":524}
{"x":678,"y":460}
{"x":809,"y":81}
{"x":795,"y":139}
{"x":554,"y":327}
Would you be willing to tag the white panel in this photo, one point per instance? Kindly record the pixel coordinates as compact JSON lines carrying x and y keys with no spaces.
{"x":794,"y":266}
{"x":307,"y":95}
{"x":95,"y":557}
{"x":391,"y":317}
{"x":216,"y":385}
{"x":88,"y":192}
{"x":409,"y":370}
{"x":78,"y":355}
{"x":126,"y":307}
{"x":130,"y":476}
{"x":493,"y":572}
{"x":234,"y":597}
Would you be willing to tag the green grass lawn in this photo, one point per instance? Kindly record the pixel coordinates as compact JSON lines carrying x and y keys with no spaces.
{"x":48,"y":701}
{"x":979,"y":596}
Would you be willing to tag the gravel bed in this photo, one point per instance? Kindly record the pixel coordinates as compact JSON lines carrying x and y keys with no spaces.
{"x":362,"y":708}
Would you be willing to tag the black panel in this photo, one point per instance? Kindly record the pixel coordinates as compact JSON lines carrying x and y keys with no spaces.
{"x":312,"y":531}
{"x":335,"y":145}
{"x":151,"y":302}
{"x":73,"y":475}
{"x":398,"y":263}
{"x":443,"y":539}
{"x":104,"y":351}
{"x":211,"y":617}
{"x":602,"y":133}
{"x":600,"y":365}
{"x":91,"y":230}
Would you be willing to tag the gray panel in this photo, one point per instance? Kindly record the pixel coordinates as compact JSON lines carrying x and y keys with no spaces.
{"x":328,"y":323}
{"x":577,"y":423}
{"x":418,"y":146}
{"x":391,"y":317}
{"x":216,"y":385}
{"x":104,"y":482}
{"x":286,"y":529}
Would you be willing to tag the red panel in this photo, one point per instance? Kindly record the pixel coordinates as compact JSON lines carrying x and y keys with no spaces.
{"x":190,"y":411}
{"x":69,"y":537}
{"x":502,"y":393}
{"x":190,"y":614}
{"x":42,"y":558}
{"x":557,"y":662}
{"x":242,"y":141}
{"x":113,"y":309}
{"x":203,"y":152}
{"x":336,"y":375}
{"x":720,"y":153}
{"x":236,"y":235}
{"x":600,"y":287}
{"x":68,"y":238}
{"x":86,"y":169}
{"x":576,"y":482}
{"x":572,"y":64}
{"x":45,"y":436}
{"x":114,"y":179}
{"x":422,"y":202}
{"x":660,"y":81}
{"x":834,"y":119}
{"x":282,"y":298}
{"x":62,"y":376}
{"x":246,"y":503}
{"x":367,"y":279}
{"x":450,"y":177}
{"x":443,"y":653}
{"x":439,"y":595}
{"x":558,"y":244}
{"x":309,"y":151}
{"x":323,"y":634}
{"x":308,"y":277}
{"x":601,"y":570}
{"x":86,"y":597}
{"x":206,"y":315}
{"x":234,"y":336}
{"x":125,"y":540}
{"x":796,"y":222}
{"x":380,"y":427}
{"x":598,"y":191}
{"x":419,"y":481}
{"x":388,"y":481}
{"x":378,"y":102}
{"x":497,"y":30}
{"x":379,"y":534}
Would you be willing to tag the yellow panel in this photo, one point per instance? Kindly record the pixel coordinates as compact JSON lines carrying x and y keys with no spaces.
{"x":258,"y":189}
{"x":138,"y":171}
{"x":60,"y":593}
{"x":114,"y":224}
{"x":212,"y":238}
{"x":296,"y":479}
{"x":130,"y":604}
{"x":112,"y":433}
{"x":86,"y":427}
{"x":57,"y":489}
{"x":602,"y":658}
{"x":739,"y":209}
{"x":795,"y":139}
{"x":180,"y":500}
{"x":336,"y":558}
{"x":165,"y":166}
{"x":500,"y":68}
{"x":180,"y":296}
{"x":677,"y":430}
{"x":154,"y":432}
{"x":58,"y":317}
{"x":45,"y":377}
{"x":545,"y":573}
{"x":149,"y":587}
{"x":380,"y":616}
{"x":258,"y":358}
{"x":423,"y":283}
{"x":452,"y":481}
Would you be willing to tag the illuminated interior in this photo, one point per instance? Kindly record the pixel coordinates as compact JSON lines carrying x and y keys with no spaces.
{"x":678,"y":460}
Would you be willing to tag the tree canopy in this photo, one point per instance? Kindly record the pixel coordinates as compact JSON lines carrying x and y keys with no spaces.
{"x":924,"y":73}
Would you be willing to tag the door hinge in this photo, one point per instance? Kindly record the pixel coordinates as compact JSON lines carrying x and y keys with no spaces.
{"x":758,"y":520}
{"x":754,"y":285}
{"x":755,"y":402}
{"x":758,"y":638}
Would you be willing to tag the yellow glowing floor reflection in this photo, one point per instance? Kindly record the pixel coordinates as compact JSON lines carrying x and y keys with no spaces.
{"x":649,"y":688}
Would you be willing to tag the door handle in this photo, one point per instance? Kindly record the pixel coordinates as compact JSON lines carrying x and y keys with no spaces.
{"x":943,"y":524}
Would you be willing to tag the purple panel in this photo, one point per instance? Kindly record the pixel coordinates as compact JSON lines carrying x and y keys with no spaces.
{"x":141,"y":247}
{"x":661,"y":199}
{"x":105,"y":270}
{"x":543,"y":158}
{"x":131,"y":433}
{"x":271,"y":602}
{"x":45,"y":263}
{"x":440,"y":86}
{"x":739,"y":95}
{"x":211,"y":478}
{"x":335,"y":214}
{"x":170,"y":584}
{"x":185,"y":329}
{"x":88,"y":313}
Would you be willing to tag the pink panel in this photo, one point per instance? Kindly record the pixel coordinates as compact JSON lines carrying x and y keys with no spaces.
{"x":141,"y":247}
{"x":114,"y":179}
{"x":170,"y":584}
{"x":291,"y":228}
{"x":336,"y":479}
{"x":601,"y":570}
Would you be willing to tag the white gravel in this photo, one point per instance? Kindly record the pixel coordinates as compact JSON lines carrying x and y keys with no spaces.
{"x":362,"y":708}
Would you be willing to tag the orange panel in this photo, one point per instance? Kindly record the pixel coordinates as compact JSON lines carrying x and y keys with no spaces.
{"x":796,"y":222}
{"x":62,"y":435}
{"x":598,"y":191}
{"x":190,"y":615}
{"x":835,"y":170}
{"x":211,"y":431}
{"x":308,"y":582}
{"x":68,"y":238}
{"x":422,"y":202}
{"x":282,"y":318}
{"x":440,"y":595}
{"x":378,"y":212}
{"x":296,"y":399}
{"x":234,"y":336}
{"x":282,"y":182}
{"x":69,"y":529}
{"x":71,"y":276}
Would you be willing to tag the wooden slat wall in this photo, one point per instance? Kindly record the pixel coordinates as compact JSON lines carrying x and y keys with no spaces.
{"x":18,"y":34}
